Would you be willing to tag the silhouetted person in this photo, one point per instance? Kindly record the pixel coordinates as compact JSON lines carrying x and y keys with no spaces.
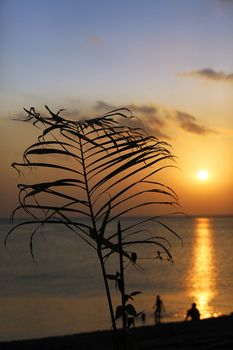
{"x":193,"y":313}
{"x":158,"y":306}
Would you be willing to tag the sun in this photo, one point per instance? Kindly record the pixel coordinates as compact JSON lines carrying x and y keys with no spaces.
{"x":202,"y":174}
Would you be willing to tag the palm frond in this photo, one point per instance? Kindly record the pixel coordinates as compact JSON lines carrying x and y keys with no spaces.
{"x":114,"y":169}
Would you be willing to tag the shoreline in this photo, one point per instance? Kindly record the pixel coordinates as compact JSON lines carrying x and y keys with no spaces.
{"x":212,"y":333}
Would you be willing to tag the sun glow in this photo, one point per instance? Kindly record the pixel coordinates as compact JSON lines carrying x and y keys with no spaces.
{"x":202,"y":175}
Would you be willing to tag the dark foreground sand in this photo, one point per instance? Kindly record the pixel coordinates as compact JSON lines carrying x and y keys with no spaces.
{"x":214,"y":333}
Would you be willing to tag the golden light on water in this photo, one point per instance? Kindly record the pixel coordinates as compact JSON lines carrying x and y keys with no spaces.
{"x":201,"y":281}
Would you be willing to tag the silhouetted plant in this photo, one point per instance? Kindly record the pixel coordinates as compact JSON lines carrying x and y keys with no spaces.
{"x":98,"y":169}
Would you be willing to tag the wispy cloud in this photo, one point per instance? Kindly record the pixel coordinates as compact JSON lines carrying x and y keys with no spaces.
{"x":104,"y":107}
{"x":209,"y":74}
{"x":96,"y":40}
{"x":156,"y":120}
{"x":147,"y":117}
{"x":189,"y":123}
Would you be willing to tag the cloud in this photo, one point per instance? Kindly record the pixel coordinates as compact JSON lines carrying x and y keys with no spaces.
{"x":142,"y":109}
{"x":156,"y":120}
{"x":104,"y":107}
{"x":189,"y":123}
{"x":153,"y":119}
{"x":151,"y":122}
{"x":96,"y":40}
{"x":209,"y":74}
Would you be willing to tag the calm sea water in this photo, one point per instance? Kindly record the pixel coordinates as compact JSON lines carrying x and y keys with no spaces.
{"x":63,"y":292}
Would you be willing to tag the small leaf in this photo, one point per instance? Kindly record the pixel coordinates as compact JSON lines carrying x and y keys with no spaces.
{"x":135,"y":293}
{"x":127,"y":297}
{"x":140,"y":313}
{"x":120,"y":285}
{"x":118,"y":312}
{"x":131,"y":310}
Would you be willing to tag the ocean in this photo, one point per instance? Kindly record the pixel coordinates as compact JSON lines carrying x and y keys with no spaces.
{"x":62,"y":292}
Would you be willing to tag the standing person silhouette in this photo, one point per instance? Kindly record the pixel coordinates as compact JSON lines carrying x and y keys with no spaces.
{"x":158,"y":306}
{"x":193,"y":313}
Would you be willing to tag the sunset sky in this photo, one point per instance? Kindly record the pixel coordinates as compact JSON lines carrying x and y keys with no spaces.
{"x":169,"y":61}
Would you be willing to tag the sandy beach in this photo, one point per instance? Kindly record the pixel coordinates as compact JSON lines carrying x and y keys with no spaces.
{"x":214,"y":333}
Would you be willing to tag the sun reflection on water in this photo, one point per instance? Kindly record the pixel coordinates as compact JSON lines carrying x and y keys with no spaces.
{"x":201,"y":281}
